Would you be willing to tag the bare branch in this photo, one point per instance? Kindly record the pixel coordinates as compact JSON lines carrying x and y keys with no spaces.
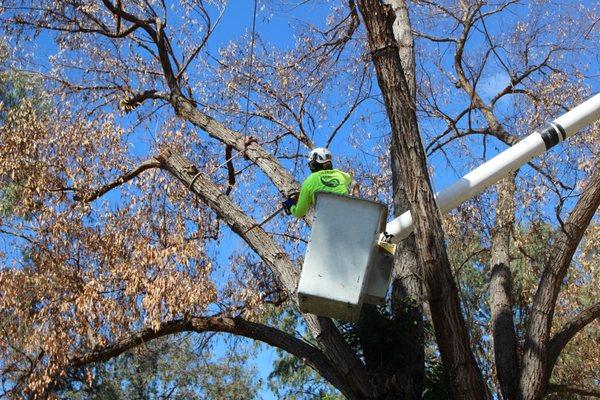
{"x":440,"y":8}
{"x":515,"y":80}
{"x":238,"y":326}
{"x":120,"y":12}
{"x":568,"y":330}
{"x":134,"y":101}
{"x":323,"y":330}
{"x":434,"y":38}
{"x":561,"y":388}
{"x":357,"y":101}
{"x":93,"y":195}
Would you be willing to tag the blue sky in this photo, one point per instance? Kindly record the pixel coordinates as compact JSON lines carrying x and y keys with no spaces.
{"x":277,"y":29}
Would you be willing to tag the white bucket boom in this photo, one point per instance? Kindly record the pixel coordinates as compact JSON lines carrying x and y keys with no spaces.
{"x":502,"y":164}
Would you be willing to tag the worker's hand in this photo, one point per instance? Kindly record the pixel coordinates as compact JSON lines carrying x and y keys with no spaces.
{"x":287,"y":206}
{"x":291,"y":201}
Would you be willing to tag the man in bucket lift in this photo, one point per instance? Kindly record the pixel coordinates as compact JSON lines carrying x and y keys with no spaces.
{"x":322,"y":178}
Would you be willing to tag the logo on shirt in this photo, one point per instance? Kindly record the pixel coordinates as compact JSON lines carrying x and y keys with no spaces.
{"x":330,"y":182}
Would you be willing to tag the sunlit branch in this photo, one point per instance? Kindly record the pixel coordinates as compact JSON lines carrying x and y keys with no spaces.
{"x":238,"y":326}
{"x":86,"y":197}
{"x":568,"y":330}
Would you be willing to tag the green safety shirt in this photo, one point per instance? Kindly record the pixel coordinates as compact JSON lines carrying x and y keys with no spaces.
{"x":328,"y":180}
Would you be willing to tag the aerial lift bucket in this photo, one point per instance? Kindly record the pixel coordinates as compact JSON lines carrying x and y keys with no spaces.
{"x":344,"y":264}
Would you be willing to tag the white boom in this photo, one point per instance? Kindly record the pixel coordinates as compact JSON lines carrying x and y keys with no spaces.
{"x":502,"y":164}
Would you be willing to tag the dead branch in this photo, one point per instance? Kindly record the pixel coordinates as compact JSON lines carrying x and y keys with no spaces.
{"x":568,"y":330}
{"x":322,"y":329}
{"x":238,"y":326}
{"x":96,"y":193}
{"x":230,"y":169}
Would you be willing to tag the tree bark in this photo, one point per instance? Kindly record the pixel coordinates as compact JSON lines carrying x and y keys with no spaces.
{"x":503,"y":328}
{"x":462,"y":372}
{"x":534,"y":375}
{"x":402,"y":29}
{"x":407,"y":290}
{"x":407,"y":286}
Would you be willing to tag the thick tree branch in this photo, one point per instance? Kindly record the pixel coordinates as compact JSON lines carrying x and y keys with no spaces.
{"x":569,"y":389}
{"x":133,"y":101}
{"x":568,"y":330}
{"x":237,"y":326}
{"x":327,"y":335}
{"x":535,"y":360}
{"x":86,"y":197}
{"x":280,"y":177}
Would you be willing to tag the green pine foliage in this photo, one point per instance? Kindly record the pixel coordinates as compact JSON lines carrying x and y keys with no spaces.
{"x":15,"y":87}
{"x":174,"y":367}
{"x":291,"y":378}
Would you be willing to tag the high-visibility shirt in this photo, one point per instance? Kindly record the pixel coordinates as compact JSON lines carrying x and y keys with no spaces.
{"x":327,"y":180}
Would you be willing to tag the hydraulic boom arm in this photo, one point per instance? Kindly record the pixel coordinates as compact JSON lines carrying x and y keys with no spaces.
{"x":502,"y":164}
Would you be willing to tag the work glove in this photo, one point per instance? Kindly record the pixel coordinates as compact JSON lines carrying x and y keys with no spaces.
{"x":291,"y":201}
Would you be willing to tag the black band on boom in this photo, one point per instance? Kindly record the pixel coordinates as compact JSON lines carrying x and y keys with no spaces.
{"x":551,"y":135}
{"x":563,"y":134}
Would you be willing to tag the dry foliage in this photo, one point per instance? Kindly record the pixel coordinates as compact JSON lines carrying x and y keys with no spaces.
{"x":106,"y":248}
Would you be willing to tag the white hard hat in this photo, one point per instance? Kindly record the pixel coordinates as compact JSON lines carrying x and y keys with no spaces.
{"x":320,"y":155}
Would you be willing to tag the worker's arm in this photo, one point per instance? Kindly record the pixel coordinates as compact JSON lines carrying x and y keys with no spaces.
{"x":347,"y":178}
{"x":305,"y":199}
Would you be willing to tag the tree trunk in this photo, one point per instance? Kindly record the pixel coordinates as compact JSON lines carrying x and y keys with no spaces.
{"x":503,"y":329}
{"x":407,"y":286}
{"x":407,"y":291}
{"x":464,"y":377}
